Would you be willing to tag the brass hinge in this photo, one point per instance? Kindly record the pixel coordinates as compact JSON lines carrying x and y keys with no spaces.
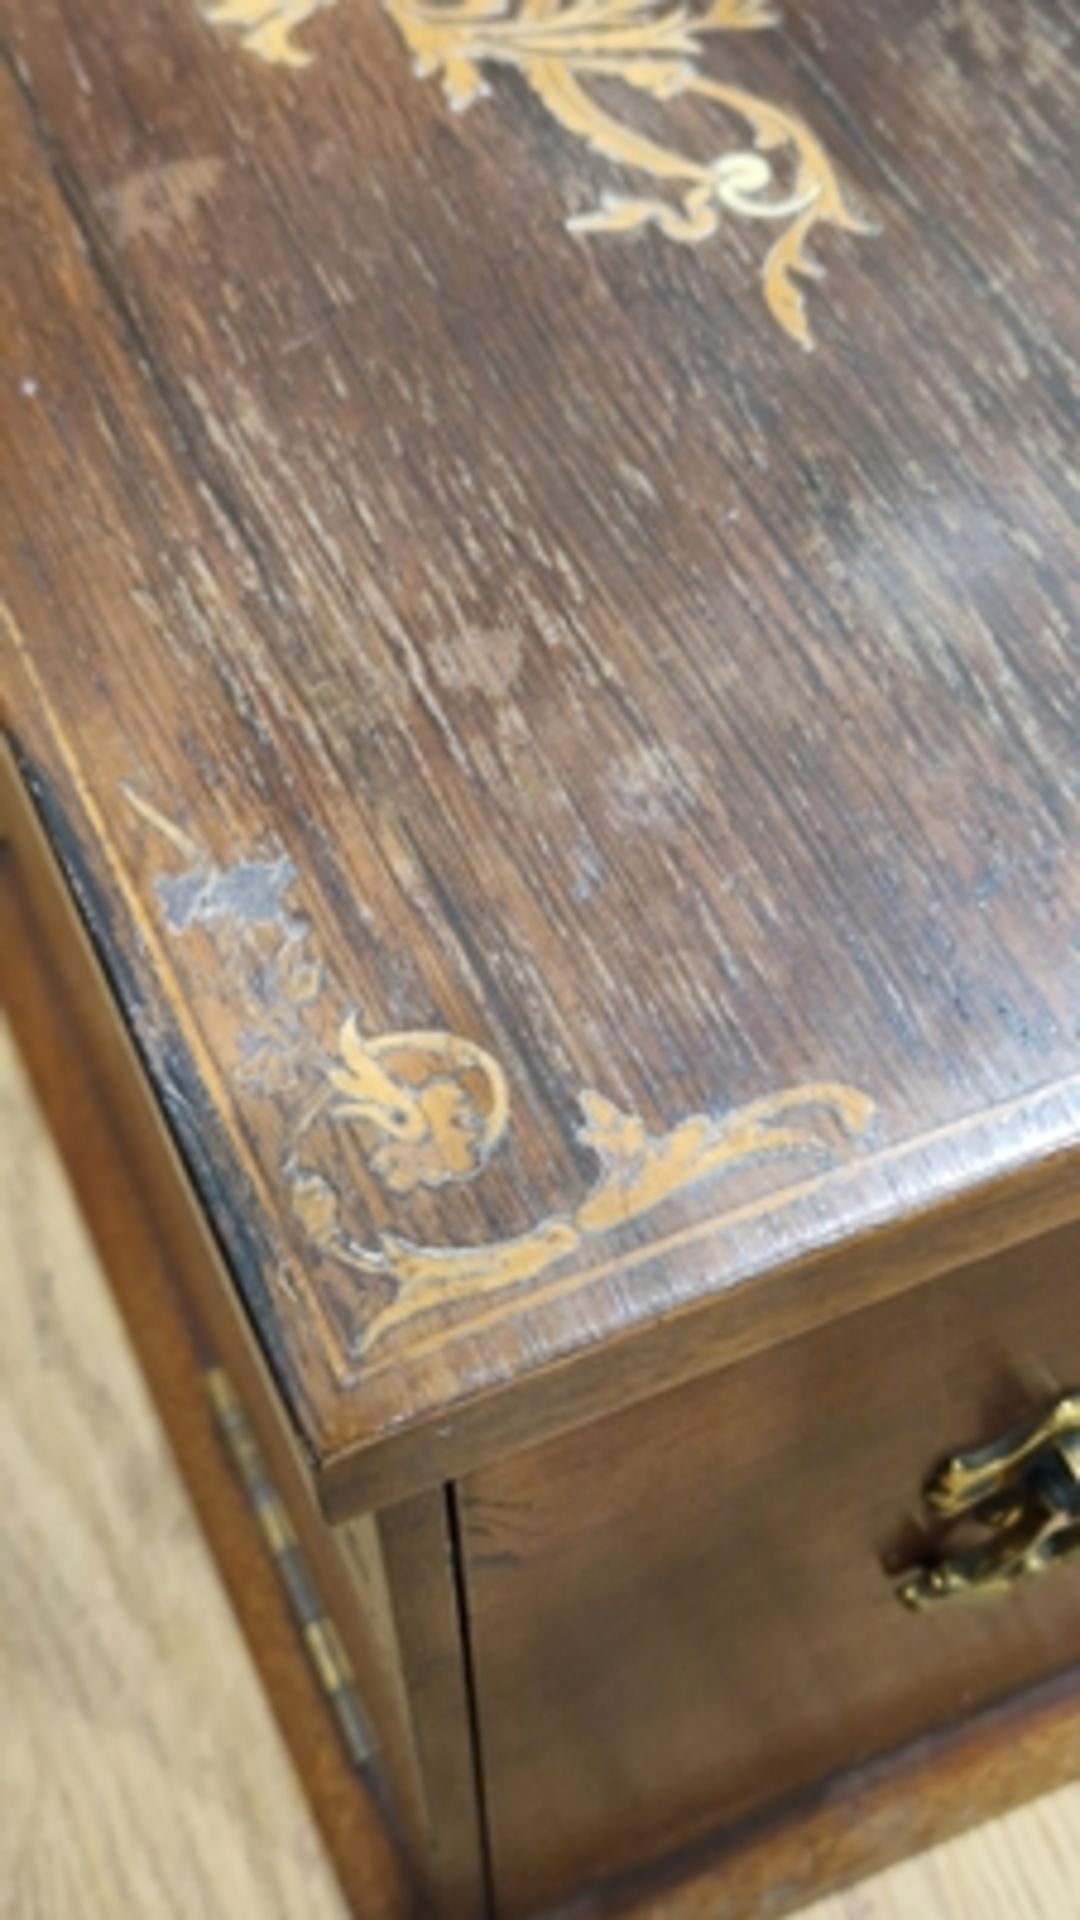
{"x":322,"y":1643}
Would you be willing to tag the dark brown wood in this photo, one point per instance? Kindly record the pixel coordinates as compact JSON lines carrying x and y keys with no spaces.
{"x":424,"y":621}
{"x":865,"y":1821}
{"x":686,"y":1613}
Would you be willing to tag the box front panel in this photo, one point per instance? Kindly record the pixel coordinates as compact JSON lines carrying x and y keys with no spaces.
{"x":688,"y":1611}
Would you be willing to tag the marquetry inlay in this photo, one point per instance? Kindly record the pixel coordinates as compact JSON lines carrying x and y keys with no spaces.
{"x":774,"y":171}
{"x":431,"y":1109}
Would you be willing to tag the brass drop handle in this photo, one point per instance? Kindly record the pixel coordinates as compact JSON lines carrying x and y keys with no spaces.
{"x":1024,"y":1489}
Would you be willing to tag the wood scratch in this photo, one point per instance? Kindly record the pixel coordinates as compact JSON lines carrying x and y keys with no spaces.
{"x":159,"y":821}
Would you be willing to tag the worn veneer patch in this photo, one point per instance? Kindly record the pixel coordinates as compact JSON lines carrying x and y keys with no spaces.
{"x":251,"y":892}
{"x":154,"y":201}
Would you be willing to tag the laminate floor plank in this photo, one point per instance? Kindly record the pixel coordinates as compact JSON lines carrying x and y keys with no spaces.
{"x":141,"y":1774}
{"x":1025,"y":1866}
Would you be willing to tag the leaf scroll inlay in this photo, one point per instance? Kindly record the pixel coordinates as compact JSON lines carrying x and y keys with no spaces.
{"x":782,"y":175}
{"x":425,"y":1109}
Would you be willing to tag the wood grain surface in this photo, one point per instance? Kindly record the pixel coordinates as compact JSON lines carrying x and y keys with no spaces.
{"x":577,"y":795}
{"x":139,"y":1768}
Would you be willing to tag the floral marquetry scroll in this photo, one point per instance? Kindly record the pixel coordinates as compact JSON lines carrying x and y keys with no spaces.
{"x":571,"y":53}
{"x":432,"y":1109}
{"x":436,"y":1106}
{"x":370,"y":1123}
{"x":637,"y":1172}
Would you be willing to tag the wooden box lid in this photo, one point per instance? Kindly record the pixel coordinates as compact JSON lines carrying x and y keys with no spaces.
{"x":577,"y":791}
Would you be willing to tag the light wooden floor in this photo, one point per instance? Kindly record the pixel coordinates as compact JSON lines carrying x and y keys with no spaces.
{"x":141,"y":1777}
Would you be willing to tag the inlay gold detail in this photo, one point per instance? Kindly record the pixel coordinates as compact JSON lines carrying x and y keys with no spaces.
{"x":267,"y":26}
{"x":437,"y":1106}
{"x":563,"y":49}
{"x":432,"y":1109}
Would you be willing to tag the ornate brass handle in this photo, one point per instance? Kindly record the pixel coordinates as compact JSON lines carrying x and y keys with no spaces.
{"x":1024,"y":1489}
